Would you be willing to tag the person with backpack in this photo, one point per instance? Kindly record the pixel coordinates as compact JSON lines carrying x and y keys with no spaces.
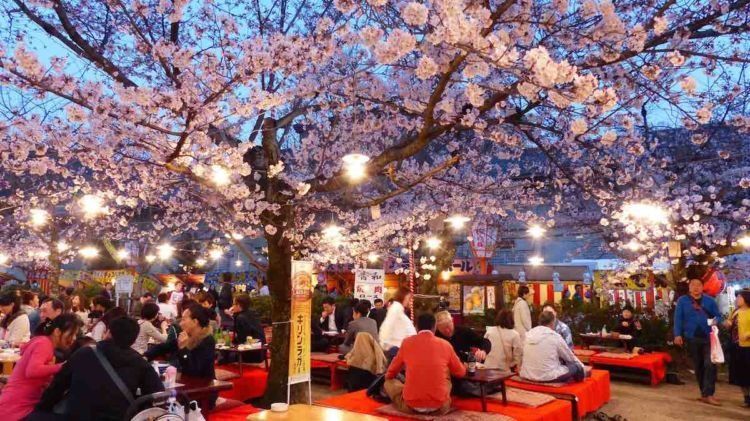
{"x":100,"y":382}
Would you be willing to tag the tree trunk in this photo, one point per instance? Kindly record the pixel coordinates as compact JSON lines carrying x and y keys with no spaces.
{"x":279,"y":283}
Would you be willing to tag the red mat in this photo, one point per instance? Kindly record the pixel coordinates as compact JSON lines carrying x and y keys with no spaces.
{"x":592,"y":393}
{"x":655,"y":363}
{"x":238,"y":413}
{"x":359,"y":402}
{"x":251,"y":385}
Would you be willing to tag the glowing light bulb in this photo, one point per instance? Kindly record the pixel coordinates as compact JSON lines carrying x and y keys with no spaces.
{"x":200,"y":262}
{"x":91,"y":206}
{"x":122,"y":254}
{"x":39,"y":217}
{"x":373,"y":257}
{"x":89,"y":252}
{"x":219,"y":175}
{"x":433,"y":242}
{"x":4,"y":259}
{"x":150,"y":258}
{"x":355,"y":166}
{"x":645,"y":213}
{"x":238,"y":262}
{"x":744,"y":241}
{"x":536,"y":260}
{"x":62,"y":246}
{"x":165,"y":251}
{"x":446,"y":275}
{"x":633,"y":245}
{"x":457,"y":221}
{"x":536,"y":231}
{"x":215,"y":253}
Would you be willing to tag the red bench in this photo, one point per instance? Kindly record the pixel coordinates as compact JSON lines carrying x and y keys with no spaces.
{"x":590,"y":394}
{"x":654,"y":363}
{"x":558,"y":410}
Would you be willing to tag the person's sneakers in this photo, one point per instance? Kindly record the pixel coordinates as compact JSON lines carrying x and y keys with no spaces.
{"x":710,"y":400}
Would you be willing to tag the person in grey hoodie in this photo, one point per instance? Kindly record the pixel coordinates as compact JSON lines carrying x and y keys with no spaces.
{"x":546,"y":356}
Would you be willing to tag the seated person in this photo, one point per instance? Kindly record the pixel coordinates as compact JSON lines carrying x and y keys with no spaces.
{"x":196,"y":346}
{"x":628,"y":325}
{"x":546,"y":357}
{"x":90,"y":392}
{"x":167,"y":350}
{"x":149,"y":328}
{"x":208,"y":302}
{"x":361,"y":323}
{"x":561,"y":328}
{"x":428,"y":360}
{"x":462,"y":339}
{"x":507,"y":348}
{"x":318,"y":342}
{"x":378,"y":312}
{"x":247,"y":325}
{"x":366,"y":360}
{"x":334,"y":318}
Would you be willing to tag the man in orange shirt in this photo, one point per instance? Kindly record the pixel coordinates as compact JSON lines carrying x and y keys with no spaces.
{"x":430,"y":362}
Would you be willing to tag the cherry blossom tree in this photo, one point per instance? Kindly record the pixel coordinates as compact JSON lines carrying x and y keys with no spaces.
{"x":237,"y":115}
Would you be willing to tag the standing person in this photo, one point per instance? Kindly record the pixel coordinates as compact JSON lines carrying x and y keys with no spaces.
{"x":522,"y":311}
{"x":91,"y":391}
{"x":507,"y":349}
{"x":739,"y":351}
{"x":148,"y":328}
{"x":15,"y":328}
{"x":37,"y":365}
{"x":397,"y":325}
{"x":361,"y":323}
{"x":378,"y":312}
{"x":176,"y":297}
{"x":692,"y":327}
{"x":225,"y":293}
{"x":429,"y":361}
{"x":30,"y":305}
{"x":108,"y":291}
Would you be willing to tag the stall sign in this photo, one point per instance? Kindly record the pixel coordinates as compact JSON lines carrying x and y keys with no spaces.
{"x":299,"y":343}
{"x":369,"y":284}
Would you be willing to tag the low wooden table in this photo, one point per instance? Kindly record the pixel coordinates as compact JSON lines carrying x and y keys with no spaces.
{"x":592,"y":338}
{"x":312,"y":413}
{"x":487,"y":378}
{"x":235,"y":350}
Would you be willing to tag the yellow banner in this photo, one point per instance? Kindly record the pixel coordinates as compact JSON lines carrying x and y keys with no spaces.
{"x":299,"y":343}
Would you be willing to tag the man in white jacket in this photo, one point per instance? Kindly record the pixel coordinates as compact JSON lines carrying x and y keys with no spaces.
{"x":546,"y":356}
{"x":522,"y":312}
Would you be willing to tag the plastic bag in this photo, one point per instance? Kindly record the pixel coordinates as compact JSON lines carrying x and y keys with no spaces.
{"x":717,"y":354}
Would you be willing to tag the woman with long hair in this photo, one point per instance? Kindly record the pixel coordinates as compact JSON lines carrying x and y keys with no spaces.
{"x":78,"y":306}
{"x":148,"y":329}
{"x":37,"y":366}
{"x":397,"y":324}
{"x":507,"y":349}
{"x":15,"y":327}
{"x":100,"y":328}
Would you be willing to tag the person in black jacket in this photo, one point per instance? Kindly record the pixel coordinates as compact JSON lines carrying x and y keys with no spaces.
{"x":462,"y":339}
{"x":247,"y":324}
{"x":334,"y":318}
{"x":378,"y":312}
{"x":196,"y":347}
{"x":91,"y":393}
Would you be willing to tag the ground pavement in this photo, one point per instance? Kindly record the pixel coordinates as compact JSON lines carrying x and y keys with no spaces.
{"x":638,"y":402}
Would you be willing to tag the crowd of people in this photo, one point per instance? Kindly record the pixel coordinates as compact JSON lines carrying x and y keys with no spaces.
{"x":418,"y":359}
{"x":86,"y":359}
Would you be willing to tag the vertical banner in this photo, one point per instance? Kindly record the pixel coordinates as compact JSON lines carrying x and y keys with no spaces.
{"x":369,"y":284}
{"x":299,"y":343}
